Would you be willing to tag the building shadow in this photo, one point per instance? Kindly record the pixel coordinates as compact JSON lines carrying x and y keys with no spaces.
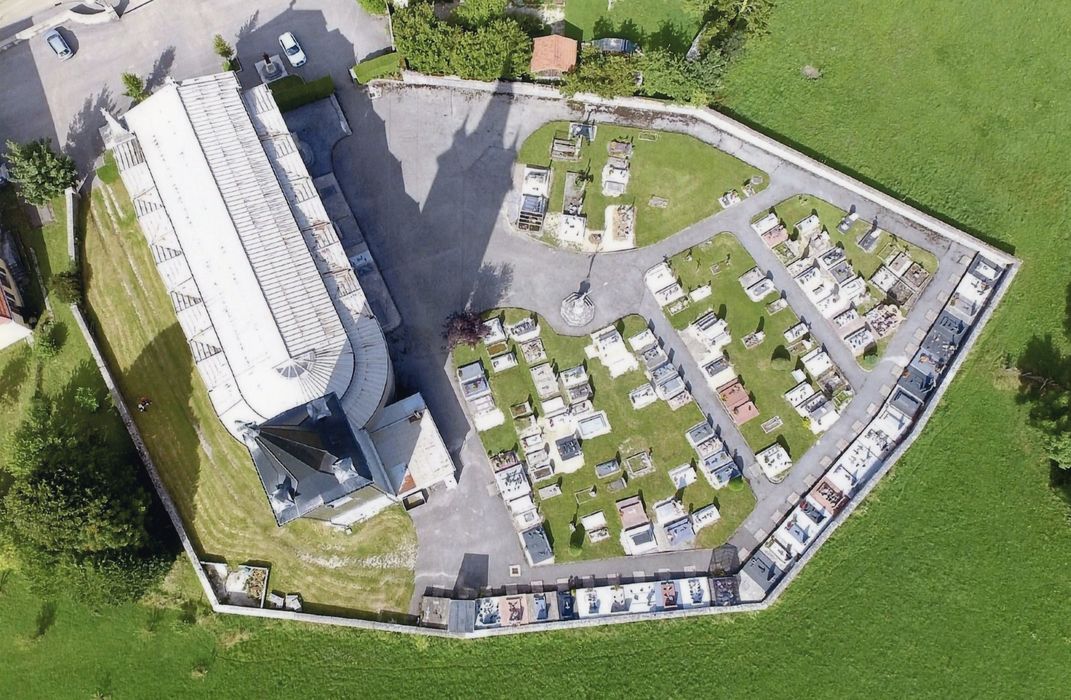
{"x":25,"y":114}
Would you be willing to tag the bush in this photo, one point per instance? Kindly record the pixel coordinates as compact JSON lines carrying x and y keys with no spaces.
{"x":86,"y":399}
{"x":67,"y":286}
{"x":41,"y":173}
{"x":134,"y":87}
{"x":222,"y":48}
{"x":292,"y":92}
{"x":47,"y":340}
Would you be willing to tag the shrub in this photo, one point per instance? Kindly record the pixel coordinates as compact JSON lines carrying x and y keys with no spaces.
{"x":86,"y":399}
{"x":67,"y":286}
{"x":41,"y":173}
{"x":222,"y":48}
{"x":606,"y":75}
{"x":134,"y":87}
{"x":47,"y":340}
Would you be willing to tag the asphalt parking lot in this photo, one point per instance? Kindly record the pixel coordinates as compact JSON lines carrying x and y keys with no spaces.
{"x":44,"y":97}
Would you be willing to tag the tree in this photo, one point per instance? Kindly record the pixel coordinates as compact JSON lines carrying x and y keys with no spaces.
{"x":74,"y":495}
{"x":606,"y":75}
{"x":463,"y":327}
{"x":67,"y":286}
{"x":222,"y":48}
{"x":498,"y":49}
{"x":475,"y":13}
{"x":669,"y":75}
{"x":41,"y":173}
{"x":134,"y":87}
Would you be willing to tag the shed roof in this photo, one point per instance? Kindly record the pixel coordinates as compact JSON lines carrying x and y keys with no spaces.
{"x":553,"y":54}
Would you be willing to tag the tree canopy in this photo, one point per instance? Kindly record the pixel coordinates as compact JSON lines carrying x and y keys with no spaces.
{"x":495,"y":48}
{"x":75,"y":498}
{"x":41,"y":173}
{"x":607,"y":75}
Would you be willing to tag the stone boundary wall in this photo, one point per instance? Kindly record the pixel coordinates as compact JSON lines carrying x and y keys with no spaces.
{"x":70,"y":198}
{"x":719,"y":121}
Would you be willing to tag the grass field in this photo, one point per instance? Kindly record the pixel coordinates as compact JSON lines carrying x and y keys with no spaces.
{"x":680,"y":168}
{"x":209,"y":473}
{"x":766,"y":384}
{"x":655,"y":428}
{"x":951,"y":580}
{"x":653,"y":24}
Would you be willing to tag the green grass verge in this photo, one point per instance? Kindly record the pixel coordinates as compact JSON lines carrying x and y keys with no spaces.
{"x":386,"y":66}
{"x":292,"y":92}
{"x":208,"y":473}
{"x":655,"y":428}
{"x":766,"y":384}
{"x":680,"y":168}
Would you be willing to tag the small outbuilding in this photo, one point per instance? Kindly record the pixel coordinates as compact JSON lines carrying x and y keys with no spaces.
{"x":552,"y":56}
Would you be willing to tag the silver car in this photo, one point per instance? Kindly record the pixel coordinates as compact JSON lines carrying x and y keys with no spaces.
{"x":58,"y":44}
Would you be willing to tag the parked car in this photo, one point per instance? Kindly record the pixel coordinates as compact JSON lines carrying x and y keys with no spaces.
{"x":58,"y":44}
{"x":292,"y":49}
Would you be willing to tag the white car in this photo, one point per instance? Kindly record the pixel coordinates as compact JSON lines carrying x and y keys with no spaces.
{"x":58,"y":44}
{"x":292,"y":49}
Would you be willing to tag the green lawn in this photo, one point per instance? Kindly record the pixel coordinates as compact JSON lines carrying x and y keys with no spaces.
{"x":950,"y":581}
{"x":655,"y":428}
{"x":766,"y":384}
{"x":209,"y":473}
{"x":680,"y":168}
{"x":652,"y":24}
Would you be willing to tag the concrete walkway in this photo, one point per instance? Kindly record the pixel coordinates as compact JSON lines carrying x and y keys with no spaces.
{"x":429,"y":175}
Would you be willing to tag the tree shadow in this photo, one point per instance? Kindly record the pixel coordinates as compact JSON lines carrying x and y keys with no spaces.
{"x":606,"y":28}
{"x":83,"y":141}
{"x":46,"y":618}
{"x":160,"y":69}
{"x":15,"y":372}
